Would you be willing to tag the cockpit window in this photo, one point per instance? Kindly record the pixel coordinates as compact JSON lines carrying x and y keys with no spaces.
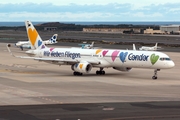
{"x":167,"y":59}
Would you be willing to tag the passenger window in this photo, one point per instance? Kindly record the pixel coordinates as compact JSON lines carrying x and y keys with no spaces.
{"x":168,"y":59}
{"x":162,"y":59}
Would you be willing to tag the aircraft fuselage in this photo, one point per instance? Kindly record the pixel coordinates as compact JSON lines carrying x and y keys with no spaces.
{"x":112,"y":58}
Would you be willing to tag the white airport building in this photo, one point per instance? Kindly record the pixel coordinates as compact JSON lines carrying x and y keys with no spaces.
{"x":170,"y":28}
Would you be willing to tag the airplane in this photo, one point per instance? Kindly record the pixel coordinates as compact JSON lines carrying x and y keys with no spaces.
{"x":26,"y":44}
{"x":150,"y":48}
{"x":83,"y":60}
{"x":87,"y":46}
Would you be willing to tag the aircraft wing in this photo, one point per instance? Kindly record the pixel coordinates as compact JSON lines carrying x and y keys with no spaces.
{"x":55,"y":60}
{"x":70,"y":61}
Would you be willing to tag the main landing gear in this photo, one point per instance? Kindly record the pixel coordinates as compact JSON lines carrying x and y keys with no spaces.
{"x":100,"y":72}
{"x":155,"y":74}
{"x":21,"y":48}
{"x":77,"y":74}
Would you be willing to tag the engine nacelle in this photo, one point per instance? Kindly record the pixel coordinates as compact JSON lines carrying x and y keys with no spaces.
{"x":83,"y":67}
{"x":125,"y":69}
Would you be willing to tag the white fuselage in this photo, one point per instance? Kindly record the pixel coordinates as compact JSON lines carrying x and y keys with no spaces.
{"x":111,"y":58}
{"x":148,"y":48}
{"x":20,"y":43}
{"x":26,"y":44}
{"x":23,"y":44}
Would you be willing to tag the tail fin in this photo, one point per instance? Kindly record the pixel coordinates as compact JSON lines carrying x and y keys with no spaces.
{"x":53,"y":39}
{"x":92,"y":44}
{"x":134,"y":47}
{"x":155,"y":47}
{"x":33,"y":36}
{"x":156,"y":44}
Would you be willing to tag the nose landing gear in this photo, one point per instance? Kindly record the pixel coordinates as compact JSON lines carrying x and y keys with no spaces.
{"x":155,"y":74}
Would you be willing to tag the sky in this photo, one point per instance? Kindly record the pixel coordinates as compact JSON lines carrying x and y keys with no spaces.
{"x":90,"y":10}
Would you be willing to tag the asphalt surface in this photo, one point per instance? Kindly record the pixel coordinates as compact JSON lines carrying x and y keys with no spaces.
{"x":98,"y":111}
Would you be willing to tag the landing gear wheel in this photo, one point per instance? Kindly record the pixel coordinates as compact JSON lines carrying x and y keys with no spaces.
{"x":74,"y":73}
{"x":21,"y":48}
{"x":100,"y":72}
{"x":154,"y":77}
{"x":77,"y":73}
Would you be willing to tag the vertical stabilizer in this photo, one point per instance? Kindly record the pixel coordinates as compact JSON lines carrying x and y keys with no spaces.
{"x":92,"y":44}
{"x":134,"y":47}
{"x":156,"y":44}
{"x":155,"y":47}
{"x":53,"y":39}
{"x":33,"y":36}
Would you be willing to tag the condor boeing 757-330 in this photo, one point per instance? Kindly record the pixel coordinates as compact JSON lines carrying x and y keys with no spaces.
{"x":83,"y":60}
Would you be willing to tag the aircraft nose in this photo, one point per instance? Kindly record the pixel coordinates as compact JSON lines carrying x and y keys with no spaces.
{"x":171,"y":64}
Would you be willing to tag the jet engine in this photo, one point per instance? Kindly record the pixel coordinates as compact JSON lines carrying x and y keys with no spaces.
{"x":124,"y":69}
{"x":82,"y":67}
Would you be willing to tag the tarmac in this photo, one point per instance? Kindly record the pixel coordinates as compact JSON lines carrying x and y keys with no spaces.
{"x":33,"y":90}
